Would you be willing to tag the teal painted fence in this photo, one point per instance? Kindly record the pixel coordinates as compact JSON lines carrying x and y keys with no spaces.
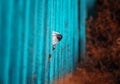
{"x":26,"y":26}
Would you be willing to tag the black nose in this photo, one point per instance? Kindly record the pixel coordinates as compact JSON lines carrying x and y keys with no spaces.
{"x":59,"y":37}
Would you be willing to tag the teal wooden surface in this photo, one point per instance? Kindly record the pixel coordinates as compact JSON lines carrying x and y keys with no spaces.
{"x":26,"y":26}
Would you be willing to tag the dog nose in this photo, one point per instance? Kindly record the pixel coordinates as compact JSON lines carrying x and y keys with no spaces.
{"x":59,"y":37}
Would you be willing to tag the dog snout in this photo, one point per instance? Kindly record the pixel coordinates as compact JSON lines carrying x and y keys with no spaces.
{"x":59,"y":37}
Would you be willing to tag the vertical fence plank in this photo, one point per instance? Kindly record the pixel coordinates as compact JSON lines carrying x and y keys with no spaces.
{"x":41,"y":42}
{"x":82,"y":29}
{"x":75,"y":33}
{"x":31,"y":43}
{"x":6,"y":17}
{"x":1,"y":72}
{"x":50,"y":58}
{"x":16,"y":42}
{"x":25,"y":43}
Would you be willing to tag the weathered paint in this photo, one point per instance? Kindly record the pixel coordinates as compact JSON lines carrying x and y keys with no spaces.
{"x":26,"y":26}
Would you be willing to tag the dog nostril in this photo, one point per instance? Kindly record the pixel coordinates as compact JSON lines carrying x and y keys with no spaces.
{"x":59,"y":37}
